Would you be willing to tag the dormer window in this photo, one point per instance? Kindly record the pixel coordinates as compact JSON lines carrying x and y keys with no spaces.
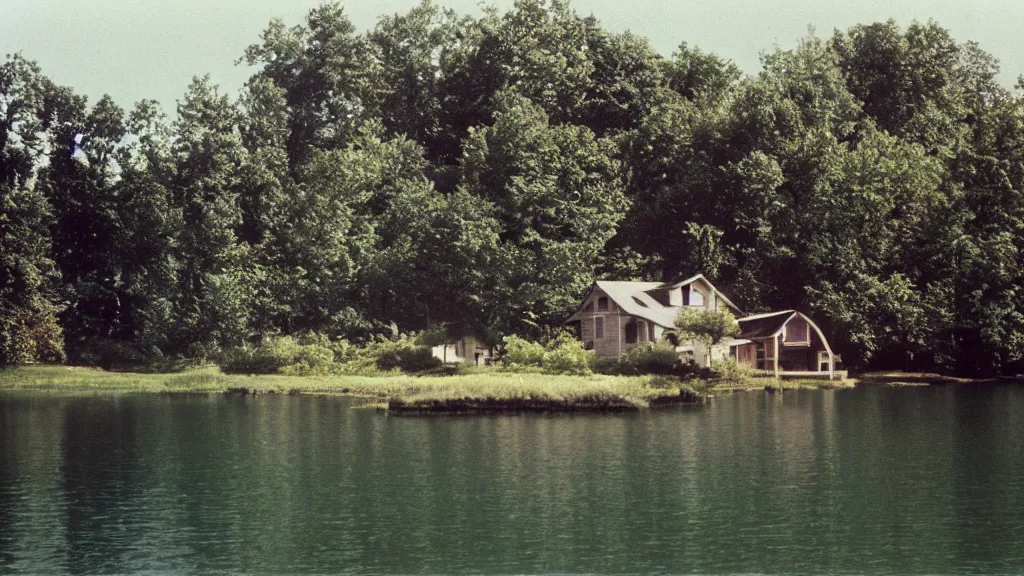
{"x":602,"y":304}
{"x":639,"y":301}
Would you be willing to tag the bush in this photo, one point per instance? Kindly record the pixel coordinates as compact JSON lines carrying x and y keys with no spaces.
{"x":521,"y":352}
{"x":269,"y":357}
{"x":402,"y":354}
{"x":344,"y":351}
{"x":312,"y":360}
{"x":107,"y":353}
{"x":566,"y":355}
{"x":604,"y":365}
{"x":729,"y":370}
{"x":660,"y":358}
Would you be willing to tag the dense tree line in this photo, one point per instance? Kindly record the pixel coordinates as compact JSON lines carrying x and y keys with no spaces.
{"x":483,"y":171}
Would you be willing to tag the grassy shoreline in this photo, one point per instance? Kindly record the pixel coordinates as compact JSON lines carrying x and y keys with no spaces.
{"x":482,"y":392}
{"x":478,"y":392}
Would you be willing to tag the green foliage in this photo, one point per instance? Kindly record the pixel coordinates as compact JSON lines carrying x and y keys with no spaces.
{"x":312,"y":360}
{"x":566,"y":355}
{"x":520,"y":352}
{"x":646,"y":358}
{"x":708,"y":326}
{"x":604,"y":365}
{"x":402,"y":354}
{"x":271,"y":355}
{"x":729,"y":370}
{"x":482,"y":172}
{"x":29,"y":331}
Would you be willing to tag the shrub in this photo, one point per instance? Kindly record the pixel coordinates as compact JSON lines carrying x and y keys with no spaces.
{"x":522,"y":352}
{"x":403,"y":354}
{"x":30,"y":334}
{"x":660,"y":358}
{"x":269,"y":357}
{"x":344,"y":351}
{"x":312,"y":360}
{"x":107,"y":353}
{"x":729,"y":370}
{"x":566,"y":355}
{"x":604,"y":365}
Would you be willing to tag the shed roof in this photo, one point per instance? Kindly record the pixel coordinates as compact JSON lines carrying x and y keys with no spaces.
{"x":764,"y":325}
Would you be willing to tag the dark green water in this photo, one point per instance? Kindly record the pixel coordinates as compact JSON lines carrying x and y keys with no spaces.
{"x":887,"y":481}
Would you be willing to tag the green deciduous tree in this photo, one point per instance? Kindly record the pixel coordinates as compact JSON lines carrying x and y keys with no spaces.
{"x":29,"y":331}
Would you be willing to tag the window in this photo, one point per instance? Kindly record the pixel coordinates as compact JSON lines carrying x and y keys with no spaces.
{"x":797,"y":332}
{"x":642,"y":330}
{"x":696,"y":298}
{"x":650,"y":334}
{"x":599,"y":328}
{"x":602,"y":303}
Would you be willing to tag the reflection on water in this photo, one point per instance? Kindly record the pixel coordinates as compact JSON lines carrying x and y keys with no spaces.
{"x":923,"y":480}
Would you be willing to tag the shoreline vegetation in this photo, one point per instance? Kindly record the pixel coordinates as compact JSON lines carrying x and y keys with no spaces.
{"x":483,"y":391}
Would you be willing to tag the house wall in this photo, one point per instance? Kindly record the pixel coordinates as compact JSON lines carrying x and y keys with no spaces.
{"x":746,"y":355}
{"x":468,"y":349}
{"x":612,"y":343}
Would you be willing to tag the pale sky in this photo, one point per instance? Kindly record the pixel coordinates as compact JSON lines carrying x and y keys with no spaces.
{"x":134,"y":49}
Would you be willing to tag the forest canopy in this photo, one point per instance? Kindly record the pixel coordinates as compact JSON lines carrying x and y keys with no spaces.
{"x":482,"y":172}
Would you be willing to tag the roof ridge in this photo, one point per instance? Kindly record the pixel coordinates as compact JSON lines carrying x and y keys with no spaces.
{"x":764,"y":315}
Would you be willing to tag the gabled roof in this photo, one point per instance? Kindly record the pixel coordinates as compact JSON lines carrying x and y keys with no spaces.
{"x":623,"y":293}
{"x":764,"y":325}
{"x":634,"y":298}
{"x":692,"y":279}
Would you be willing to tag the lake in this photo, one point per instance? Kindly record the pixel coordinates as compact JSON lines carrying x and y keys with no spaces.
{"x":876,"y":480}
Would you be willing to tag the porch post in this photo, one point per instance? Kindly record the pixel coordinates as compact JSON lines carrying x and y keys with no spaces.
{"x":831,"y":366}
{"x":775,"y":354}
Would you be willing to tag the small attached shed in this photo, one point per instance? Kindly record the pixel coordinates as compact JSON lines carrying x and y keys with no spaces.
{"x":786,"y":343}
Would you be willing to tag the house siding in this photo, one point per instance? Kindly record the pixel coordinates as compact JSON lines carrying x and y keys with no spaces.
{"x":614,"y":321}
{"x":465,"y":349}
{"x":611,"y":344}
{"x":746,"y":355}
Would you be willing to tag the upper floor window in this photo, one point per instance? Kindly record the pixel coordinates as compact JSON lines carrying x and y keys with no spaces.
{"x":602,"y":303}
{"x":696,"y":298}
{"x":796,"y":332}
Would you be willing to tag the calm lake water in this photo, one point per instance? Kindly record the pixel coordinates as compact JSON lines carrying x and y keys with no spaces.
{"x":877,"y":480}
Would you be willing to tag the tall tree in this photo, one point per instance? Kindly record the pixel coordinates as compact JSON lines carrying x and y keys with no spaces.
{"x":557,"y":195}
{"x":28,"y":326}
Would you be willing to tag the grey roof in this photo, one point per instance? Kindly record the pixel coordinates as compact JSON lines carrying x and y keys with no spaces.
{"x":627,"y":294}
{"x":693,"y":279}
{"x":624,"y":292}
